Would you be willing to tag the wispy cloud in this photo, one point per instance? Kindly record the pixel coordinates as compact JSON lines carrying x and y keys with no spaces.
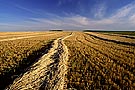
{"x":36,"y":12}
{"x":125,"y":11}
{"x":99,"y":10}
{"x":25,"y":9}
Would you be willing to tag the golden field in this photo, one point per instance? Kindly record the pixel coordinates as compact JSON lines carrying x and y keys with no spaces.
{"x":20,"y":49}
{"x":103,"y":61}
{"x":96,"y":61}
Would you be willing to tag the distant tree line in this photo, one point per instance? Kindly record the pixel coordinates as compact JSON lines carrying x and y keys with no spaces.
{"x":56,"y":30}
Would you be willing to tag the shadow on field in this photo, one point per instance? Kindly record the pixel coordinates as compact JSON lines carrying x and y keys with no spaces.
{"x":128,"y":37}
{"x":10,"y":76}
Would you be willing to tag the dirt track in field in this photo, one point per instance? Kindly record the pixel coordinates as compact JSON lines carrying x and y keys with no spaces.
{"x":48,"y":72}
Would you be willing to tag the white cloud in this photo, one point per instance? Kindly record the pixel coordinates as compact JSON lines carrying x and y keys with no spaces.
{"x":132,"y":19}
{"x":78,"y":20}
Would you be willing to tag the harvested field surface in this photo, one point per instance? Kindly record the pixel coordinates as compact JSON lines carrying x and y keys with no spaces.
{"x":20,"y":35}
{"x":98,"y":61}
{"x":16,"y":55}
{"x":67,"y":60}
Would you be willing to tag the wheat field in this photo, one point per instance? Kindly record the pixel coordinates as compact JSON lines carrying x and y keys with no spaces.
{"x":71,"y":60}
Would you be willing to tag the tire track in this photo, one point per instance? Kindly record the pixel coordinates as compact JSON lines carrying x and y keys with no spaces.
{"x":48,"y":73}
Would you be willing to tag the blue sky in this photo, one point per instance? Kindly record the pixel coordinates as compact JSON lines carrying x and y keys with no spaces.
{"x":19,"y":15}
